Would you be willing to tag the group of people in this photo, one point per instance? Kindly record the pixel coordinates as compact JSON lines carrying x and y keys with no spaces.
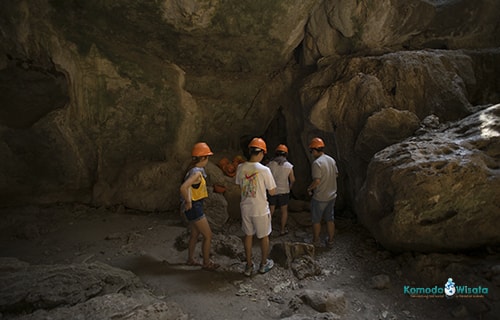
{"x":263,"y":189}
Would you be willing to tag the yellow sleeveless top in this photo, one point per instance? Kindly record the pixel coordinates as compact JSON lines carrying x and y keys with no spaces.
{"x":200,"y":192}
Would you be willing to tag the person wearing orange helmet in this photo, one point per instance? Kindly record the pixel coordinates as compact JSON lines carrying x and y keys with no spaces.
{"x":323,"y":189}
{"x":284,"y":176}
{"x":193,"y":190}
{"x":254,"y":180}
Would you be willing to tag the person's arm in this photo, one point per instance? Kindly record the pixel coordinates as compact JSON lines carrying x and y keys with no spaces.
{"x":270,"y":183}
{"x":313,"y":185}
{"x":291,"y":179}
{"x":272,"y":192}
{"x":184,"y":189}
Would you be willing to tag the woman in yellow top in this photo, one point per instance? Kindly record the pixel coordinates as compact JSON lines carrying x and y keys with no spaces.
{"x":193,"y":191}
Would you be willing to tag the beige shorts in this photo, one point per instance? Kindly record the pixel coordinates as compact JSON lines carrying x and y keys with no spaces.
{"x":258,"y":225}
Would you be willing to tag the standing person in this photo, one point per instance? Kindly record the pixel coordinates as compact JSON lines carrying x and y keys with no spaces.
{"x":254,"y":179}
{"x":193,"y":191}
{"x":324,"y":191}
{"x":284,"y":176}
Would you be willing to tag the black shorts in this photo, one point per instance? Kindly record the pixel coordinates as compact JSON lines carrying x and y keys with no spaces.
{"x":279,"y":200}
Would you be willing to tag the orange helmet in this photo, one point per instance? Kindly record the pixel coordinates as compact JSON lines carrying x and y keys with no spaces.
{"x":282,"y":148}
{"x":316,"y":143}
{"x":258,"y":143}
{"x":201,"y":149}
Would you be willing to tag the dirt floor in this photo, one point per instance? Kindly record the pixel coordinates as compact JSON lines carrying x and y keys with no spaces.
{"x":145,"y":243}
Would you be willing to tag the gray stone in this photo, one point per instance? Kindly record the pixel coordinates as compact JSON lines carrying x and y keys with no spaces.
{"x":318,"y":316}
{"x":305,"y":266}
{"x":78,"y":291}
{"x":115,"y":306}
{"x":326,"y":301}
{"x":50,"y":286}
{"x":286,"y":252}
{"x":381,"y":281}
{"x":428,"y":192}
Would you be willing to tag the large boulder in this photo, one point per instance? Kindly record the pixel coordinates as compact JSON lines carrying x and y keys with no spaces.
{"x":114,"y":306}
{"x":360,"y":105}
{"x":439,"y":191}
{"x":77,"y":291}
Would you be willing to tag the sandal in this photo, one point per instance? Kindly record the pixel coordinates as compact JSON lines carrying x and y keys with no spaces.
{"x":284,"y":233}
{"x":211,"y":266}
{"x":331,"y":243}
{"x":193,"y":263}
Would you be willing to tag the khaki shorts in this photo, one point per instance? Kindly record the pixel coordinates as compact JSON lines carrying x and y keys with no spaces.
{"x":258,"y":225}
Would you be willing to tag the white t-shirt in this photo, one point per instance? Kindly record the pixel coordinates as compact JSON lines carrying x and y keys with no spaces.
{"x":325,"y":169}
{"x":254,"y":179}
{"x":280,"y":174}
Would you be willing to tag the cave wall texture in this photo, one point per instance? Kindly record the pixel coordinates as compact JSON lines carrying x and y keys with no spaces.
{"x":101,"y":101}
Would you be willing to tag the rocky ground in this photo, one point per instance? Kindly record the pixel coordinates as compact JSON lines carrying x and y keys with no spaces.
{"x":357,"y":279}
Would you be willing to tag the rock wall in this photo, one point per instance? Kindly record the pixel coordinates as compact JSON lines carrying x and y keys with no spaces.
{"x":437,"y":191}
{"x":102,"y":101}
{"x":143,"y":82}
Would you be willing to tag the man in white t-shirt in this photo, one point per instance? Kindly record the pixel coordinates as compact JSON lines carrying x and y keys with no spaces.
{"x":254,"y":179}
{"x":324,"y":191}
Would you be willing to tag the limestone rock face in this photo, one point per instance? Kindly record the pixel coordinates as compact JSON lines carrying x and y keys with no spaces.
{"x":346,"y":26}
{"x":439,"y":191}
{"x":101,"y":102}
{"x":384,"y":128}
{"x":101,"y":89}
{"x":363,"y":104}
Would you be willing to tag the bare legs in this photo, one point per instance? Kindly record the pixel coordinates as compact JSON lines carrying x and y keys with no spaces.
{"x":264,"y":249}
{"x":247,"y":243}
{"x":284,"y":216}
{"x":197,"y":227}
{"x":316,"y":232}
{"x":271,"y":209}
{"x":330,"y":229}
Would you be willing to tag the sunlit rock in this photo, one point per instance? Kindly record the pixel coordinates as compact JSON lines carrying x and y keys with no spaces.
{"x":439,"y":191}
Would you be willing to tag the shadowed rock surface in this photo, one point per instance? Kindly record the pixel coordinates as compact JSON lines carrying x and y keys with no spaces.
{"x":101,"y":102}
{"x":77,"y":291}
{"x":439,"y":191}
{"x":130,"y":87}
{"x":72,"y":250}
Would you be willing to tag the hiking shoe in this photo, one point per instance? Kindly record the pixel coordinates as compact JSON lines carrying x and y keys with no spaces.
{"x":249,"y":270}
{"x":266,"y":267}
